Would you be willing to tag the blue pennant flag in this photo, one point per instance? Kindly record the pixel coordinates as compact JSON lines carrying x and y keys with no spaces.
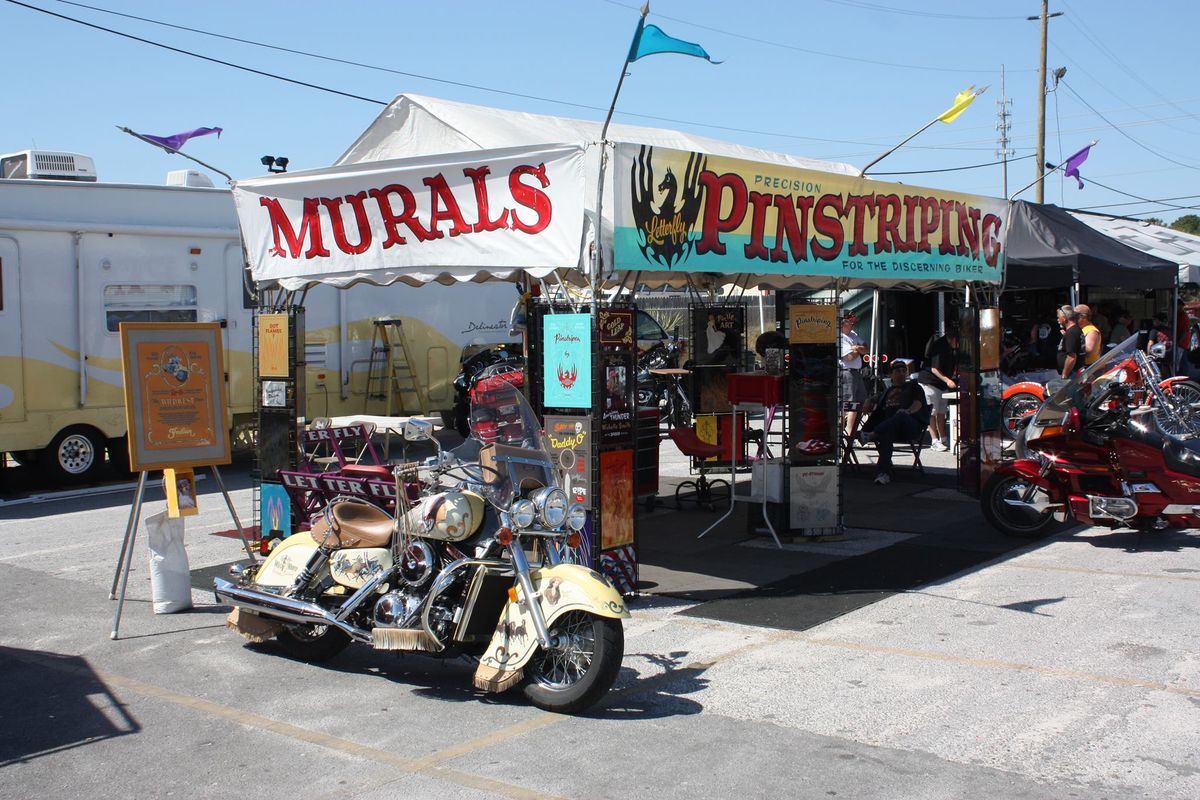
{"x":650,"y":40}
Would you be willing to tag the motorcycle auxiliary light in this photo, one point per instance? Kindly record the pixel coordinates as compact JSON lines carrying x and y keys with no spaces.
{"x":551,"y":505}
{"x":522,"y":512}
{"x":576,"y":517}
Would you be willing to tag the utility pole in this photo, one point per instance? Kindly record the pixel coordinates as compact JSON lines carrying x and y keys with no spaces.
{"x":1003,"y":126}
{"x":1045,"y":17}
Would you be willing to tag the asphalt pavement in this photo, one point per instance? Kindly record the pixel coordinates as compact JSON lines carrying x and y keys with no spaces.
{"x":922,"y":656}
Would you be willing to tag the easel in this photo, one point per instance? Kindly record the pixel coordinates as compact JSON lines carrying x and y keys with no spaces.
{"x":125,"y":559}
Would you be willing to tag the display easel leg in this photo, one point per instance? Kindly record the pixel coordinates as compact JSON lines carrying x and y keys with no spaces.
{"x":129,"y":529}
{"x":233,"y":513}
{"x":126,"y":561}
{"x":732,"y":476}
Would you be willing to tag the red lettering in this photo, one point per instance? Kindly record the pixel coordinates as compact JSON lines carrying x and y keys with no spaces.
{"x":858,"y":206}
{"x":828,"y":225}
{"x":758,"y":223}
{"x":333,"y":206}
{"x":792,"y":226}
{"x":929,"y":221}
{"x":968,"y":230}
{"x":887,"y":214}
{"x":439,"y":195}
{"x":392,"y":220}
{"x":911,"y":203}
{"x":946,"y":247}
{"x":714,"y":224}
{"x":531,"y":197}
{"x":310,"y":228}
{"x":991,"y":239}
{"x":478,"y":178}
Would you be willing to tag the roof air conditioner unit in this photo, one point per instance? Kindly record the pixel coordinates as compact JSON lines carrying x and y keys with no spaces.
{"x":45,"y":165}
{"x":188,"y":177}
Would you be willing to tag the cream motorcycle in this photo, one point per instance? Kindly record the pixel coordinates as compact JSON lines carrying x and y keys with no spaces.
{"x":451,"y":573}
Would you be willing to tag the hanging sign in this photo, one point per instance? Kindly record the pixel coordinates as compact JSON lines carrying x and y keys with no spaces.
{"x":570,"y":444}
{"x":567,"y":365}
{"x":273,"y":346}
{"x":175,"y":408}
{"x":617,"y":414}
{"x":692,"y":212}
{"x":615,"y":327}
{"x":812,"y":324}
{"x":521,"y":207}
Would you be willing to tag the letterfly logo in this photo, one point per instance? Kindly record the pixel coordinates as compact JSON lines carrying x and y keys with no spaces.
{"x":666,"y":215}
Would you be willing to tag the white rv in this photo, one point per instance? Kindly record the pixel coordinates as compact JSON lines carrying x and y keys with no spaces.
{"x":77,"y":257}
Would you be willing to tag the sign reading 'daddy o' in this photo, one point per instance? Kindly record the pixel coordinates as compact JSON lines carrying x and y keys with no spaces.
{"x":684,"y":211}
{"x":567,"y":361}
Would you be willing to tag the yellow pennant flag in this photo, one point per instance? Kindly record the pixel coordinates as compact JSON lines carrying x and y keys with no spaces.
{"x":961,"y":101}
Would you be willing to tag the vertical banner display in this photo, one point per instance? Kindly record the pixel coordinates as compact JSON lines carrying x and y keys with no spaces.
{"x":570,"y":444}
{"x":273,"y":359}
{"x":617,"y":413}
{"x":567,"y":360}
{"x":813,"y":390}
{"x":685,"y":211}
{"x":718,"y":333}
{"x":175,"y":406}
{"x":180,"y":486}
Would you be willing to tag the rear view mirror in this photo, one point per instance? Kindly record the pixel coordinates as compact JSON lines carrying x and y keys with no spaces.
{"x":418,"y":430}
{"x":1072,"y":423}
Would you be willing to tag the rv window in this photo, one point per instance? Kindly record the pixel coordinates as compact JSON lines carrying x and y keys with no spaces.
{"x":143,"y":303}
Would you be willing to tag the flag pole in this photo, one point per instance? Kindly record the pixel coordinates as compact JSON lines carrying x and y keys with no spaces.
{"x":914,"y":135}
{"x":1043,"y":177}
{"x":597,"y":242}
{"x":137,"y":135}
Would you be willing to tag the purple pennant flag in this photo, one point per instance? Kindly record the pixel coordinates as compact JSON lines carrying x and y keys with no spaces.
{"x":1072,"y":168}
{"x":175,"y":142}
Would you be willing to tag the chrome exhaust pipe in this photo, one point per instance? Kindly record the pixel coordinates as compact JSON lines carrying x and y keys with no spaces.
{"x":282,"y":608}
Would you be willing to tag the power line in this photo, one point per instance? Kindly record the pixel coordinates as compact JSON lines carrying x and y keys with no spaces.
{"x":1143,"y":199}
{"x":1123,"y":133}
{"x":823,"y":54}
{"x":953,"y":169}
{"x":910,"y":13}
{"x":197,"y":55}
{"x":1157,"y":202}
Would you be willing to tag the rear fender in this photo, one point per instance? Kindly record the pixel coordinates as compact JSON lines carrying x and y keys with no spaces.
{"x":1026,"y":468}
{"x":286,"y":560}
{"x":557,"y":590}
{"x":1166,"y":384}
{"x":1026,"y":387}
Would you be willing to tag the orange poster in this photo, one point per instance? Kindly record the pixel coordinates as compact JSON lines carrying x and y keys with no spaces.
{"x":273,"y":345}
{"x":616,"y":499}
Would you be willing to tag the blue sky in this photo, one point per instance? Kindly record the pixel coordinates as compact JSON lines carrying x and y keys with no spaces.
{"x":835,"y":79}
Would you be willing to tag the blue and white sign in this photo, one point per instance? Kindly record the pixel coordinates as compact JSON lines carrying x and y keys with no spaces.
{"x":567,"y":364}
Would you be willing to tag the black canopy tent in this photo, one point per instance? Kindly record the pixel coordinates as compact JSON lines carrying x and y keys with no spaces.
{"x":1048,"y":248}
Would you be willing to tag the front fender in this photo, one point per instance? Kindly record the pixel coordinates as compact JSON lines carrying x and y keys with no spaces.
{"x":1024,"y":467}
{"x":1026,"y":387}
{"x":558,"y":590}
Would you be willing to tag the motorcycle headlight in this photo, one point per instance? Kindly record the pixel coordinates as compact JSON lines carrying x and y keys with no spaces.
{"x":551,"y":505}
{"x":522,"y":512}
{"x":576,"y":517}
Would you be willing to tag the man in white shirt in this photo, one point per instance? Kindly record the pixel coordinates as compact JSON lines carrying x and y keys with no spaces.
{"x":850,"y":361}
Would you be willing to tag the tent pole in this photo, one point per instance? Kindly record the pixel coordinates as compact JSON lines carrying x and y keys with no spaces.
{"x":875,"y":329}
{"x":1175,"y":327}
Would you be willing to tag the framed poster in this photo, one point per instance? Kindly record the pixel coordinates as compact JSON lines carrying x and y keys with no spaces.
{"x":717,"y":337}
{"x":180,"y":486}
{"x":273,"y":346}
{"x":615,"y":327}
{"x":617,"y":414}
{"x":812,"y":324}
{"x":616,"y":499}
{"x":175,"y":408}
{"x":567,"y":360}
{"x":570,"y":444}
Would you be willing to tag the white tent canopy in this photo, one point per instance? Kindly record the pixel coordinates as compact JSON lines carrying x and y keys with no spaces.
{"x":1157,"y":240}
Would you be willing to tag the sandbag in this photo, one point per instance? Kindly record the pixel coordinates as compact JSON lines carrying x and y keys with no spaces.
{"x":170,"y":581}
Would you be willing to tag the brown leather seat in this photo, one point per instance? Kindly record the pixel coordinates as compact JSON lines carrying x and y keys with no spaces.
{"x":354,"y":525}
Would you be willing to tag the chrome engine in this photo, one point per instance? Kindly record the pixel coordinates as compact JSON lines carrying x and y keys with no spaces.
{"x":418,"y":564}
{"x":395,"y":609}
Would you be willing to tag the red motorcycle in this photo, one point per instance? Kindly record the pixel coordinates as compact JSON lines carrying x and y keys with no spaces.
{"x":1110,"y":448}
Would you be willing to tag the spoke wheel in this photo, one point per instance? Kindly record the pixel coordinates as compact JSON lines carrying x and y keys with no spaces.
{"x":580,"y":667}
{"x":1013,"y":520}
{"x":1181,"y":419}
{"x":312,"y":643}
{"x":1016,"y":412}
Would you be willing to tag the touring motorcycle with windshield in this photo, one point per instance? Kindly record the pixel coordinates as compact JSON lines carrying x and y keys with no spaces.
{"x":1111,"y":448}
{"x":475,"y":562}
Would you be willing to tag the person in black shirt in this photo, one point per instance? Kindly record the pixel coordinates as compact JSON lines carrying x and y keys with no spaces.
{"x":1071,"y":346}
{"x":938,"y":377}
{"x":899,"y":414}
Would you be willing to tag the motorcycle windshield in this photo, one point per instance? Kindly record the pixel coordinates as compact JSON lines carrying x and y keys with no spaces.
{"x":514,"y":451}
{"x":1082,"y":386}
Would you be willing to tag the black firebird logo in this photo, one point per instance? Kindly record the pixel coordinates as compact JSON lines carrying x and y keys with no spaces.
{"x":664,"y":234}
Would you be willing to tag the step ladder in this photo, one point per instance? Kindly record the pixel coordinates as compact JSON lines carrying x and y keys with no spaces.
{"x":392,"y":375}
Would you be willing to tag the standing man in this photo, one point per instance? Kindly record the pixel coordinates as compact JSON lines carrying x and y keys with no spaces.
{"x":1071,"y":345}
{"x":938,"y":377}
{"x":850,"y":362}
{"x":1092,"y":340}
{"x":1120,"y":331}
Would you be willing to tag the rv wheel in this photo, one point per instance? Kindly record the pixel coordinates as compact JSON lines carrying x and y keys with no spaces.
{"x":74,"y":455}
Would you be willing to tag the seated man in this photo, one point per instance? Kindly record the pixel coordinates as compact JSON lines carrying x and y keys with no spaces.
{"x":899,"y":414}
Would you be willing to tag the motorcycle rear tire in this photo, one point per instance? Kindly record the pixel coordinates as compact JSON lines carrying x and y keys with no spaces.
{"x":1008,"y":520}
{"x":312,"y":643}
{"x":570,"y":696}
